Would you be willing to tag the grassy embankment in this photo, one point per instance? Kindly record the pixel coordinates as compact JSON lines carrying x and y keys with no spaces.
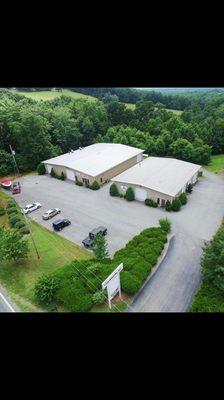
{"x":55,"y":251}
{"x":216,"y":165}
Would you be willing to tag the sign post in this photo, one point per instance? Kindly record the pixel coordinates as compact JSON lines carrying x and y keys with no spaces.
{"x":113,"y":284}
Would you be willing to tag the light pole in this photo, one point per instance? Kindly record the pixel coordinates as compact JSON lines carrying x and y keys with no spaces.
{"x":26,"y":219}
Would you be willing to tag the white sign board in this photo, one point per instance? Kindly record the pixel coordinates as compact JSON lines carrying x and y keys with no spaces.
{"x":112,"y":283}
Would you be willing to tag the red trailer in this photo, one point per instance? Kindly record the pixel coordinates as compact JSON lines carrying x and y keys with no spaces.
{"x":6,"y":184}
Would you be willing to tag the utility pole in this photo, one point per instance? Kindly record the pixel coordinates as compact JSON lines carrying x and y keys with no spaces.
{"x":26,"y":218}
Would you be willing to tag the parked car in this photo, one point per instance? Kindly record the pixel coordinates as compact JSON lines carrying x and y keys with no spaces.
{"x":51,"y":213}
{"x":88,"y":242}
{"x":101,"y":230}
{"x":60,"y":224}
{"x":31,"y":207}
{"x":15,"y":187}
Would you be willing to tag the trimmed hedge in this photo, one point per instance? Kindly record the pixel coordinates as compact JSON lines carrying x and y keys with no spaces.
{"x":20,"y":224}
{"x":151,"y":203}
{"x":24,"y":230}
{"x":12,"y":210}
{"x":2,"y":210}
{"x":13,"y":219}
{"x":95,"y":186}
{"x":79,"y":283}
{"x":176,"y":205}
{"x":11,"y":203}
{"x":183,"y":198}
{"x":79,"y":183}
{"x":129,"y":195}
{"x":114,"y":190}
{"x":165,"y":224}
{"x":168,"y":206}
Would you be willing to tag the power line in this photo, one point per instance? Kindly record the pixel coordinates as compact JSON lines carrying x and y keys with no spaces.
{"x":26,"y":219}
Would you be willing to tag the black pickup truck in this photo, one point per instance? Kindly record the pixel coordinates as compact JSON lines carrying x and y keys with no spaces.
{"x":88,"y":242}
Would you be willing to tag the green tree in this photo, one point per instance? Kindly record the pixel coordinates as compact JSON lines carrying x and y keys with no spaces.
{"x":183,"y":198}
{"x":129,"y":195}
{"x":189,"y":188}
{"x":12,"y":245}
{"x":114,"y":190}
{"x":100,"y":247}
{"x":41,"y":169}
{"x":176,"y":205}
{"x":165,"y":224}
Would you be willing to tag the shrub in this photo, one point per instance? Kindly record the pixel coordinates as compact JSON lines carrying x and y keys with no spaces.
{"x":20,"y":224}
{"x":151,"y":203}
{"x":99,"y":297}
{"x":24,"y":230}
{"x":2,"y":210}
{"x":13,"y":219}
{"x":95,"y":186}
{"x":165,"y":224}
{"x":129,"y":195}
{"x":114,"y":190}
{"x":189,"y":188}
{"x":176,"y":205}
{"x":79,"y":183}
{"x":168,"y":206}
{"x":62,"y":176}
{"x":12,"y":210}
{"x":41,"y":169}
{"x":129,"y":283}
{"x":45,"y":289}
{"x":183,"y":198}
{"x":11,"y":203}
{"x":53,"y":174}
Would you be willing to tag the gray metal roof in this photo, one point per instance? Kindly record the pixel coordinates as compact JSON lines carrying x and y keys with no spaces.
{"x":95,"y":159}
{"x":164,"y":175}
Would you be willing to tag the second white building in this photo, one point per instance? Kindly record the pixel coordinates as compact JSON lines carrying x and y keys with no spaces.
{"x":160,"y":179}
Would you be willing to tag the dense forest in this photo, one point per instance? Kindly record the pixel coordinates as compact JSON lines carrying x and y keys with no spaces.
{"x":40,"y":130}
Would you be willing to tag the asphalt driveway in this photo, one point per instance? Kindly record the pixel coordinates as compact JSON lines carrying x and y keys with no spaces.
{"x":173,"y":286}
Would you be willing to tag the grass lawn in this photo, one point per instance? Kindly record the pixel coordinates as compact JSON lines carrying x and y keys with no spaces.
{"x":216,"y":165}
{"x":129,"y":105}
{"x":177,"y":112}
{"x":52,"y":94}
{"x":55,"y":251}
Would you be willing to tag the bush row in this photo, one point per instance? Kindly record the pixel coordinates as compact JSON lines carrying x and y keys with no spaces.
{"x":15,"y":217}
{"x":2,"y":210}
{"x":54,"y":175}
{"x":77,"y":286}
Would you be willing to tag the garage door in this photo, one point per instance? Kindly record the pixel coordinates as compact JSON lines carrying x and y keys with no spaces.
{"x":49,"y":167}
{"x":70,"y":174}
{"x":140,"y":194}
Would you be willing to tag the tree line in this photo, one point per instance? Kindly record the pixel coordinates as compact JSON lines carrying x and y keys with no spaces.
{"x":41,"y":130}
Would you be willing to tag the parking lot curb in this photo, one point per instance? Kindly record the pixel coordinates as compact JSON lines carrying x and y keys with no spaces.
{"x":154,"y":269}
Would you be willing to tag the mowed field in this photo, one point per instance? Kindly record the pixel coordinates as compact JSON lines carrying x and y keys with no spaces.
{"x":216,"y":165}
{"x":53,"y":94}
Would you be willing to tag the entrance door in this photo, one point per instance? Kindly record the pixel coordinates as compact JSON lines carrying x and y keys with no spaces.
{"x":158,"y":201}
{"x":163,"y":203}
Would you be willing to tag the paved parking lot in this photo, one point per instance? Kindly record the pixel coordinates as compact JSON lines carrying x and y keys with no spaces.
{"x":175,"y":283}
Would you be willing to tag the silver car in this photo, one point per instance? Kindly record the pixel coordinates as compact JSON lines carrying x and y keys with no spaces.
{"x":31,"y":207}
{"x":51,"y":213}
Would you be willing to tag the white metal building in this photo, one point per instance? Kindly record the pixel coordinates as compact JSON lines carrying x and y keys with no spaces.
{"x":160,"y":179}
{"x":100,"y":162}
